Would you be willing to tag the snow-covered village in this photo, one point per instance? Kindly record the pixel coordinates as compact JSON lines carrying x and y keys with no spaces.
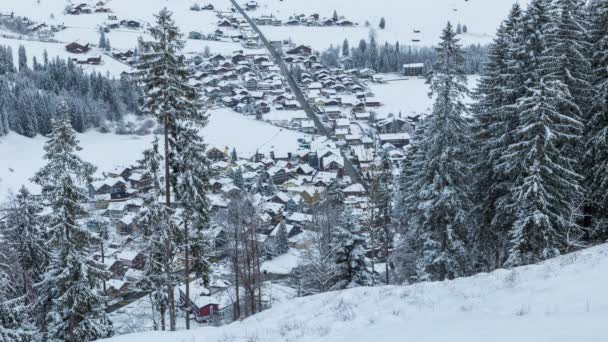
{"x":290,"y":170}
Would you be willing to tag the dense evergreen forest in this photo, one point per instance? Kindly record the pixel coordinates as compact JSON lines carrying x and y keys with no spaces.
{"x":30,"y":94}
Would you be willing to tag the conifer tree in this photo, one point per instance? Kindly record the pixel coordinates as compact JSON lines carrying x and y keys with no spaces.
{"x":169,"y":97}
{"x":597,"y":127}
{"x":15,"y":317}
{"x":28,"y":238}
{"x":69,"y":293}
{"x":161,"y":234}
{"x":436,"y":178}
{"x":499,"y":87}
{"x":349,"y":248}
{"x":345,"y":48}
{"x":545,"y":186}
{"x":281,"y":239}
{"x":22,"y":58}
{"x":193,"y":187}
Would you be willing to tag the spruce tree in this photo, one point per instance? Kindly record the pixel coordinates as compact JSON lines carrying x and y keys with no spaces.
{"x":69,"y":293}
{"x":495,"y":113}
{"x":436,"y":189}
{"x":22,"y":58}
{"x":15,"y":316}
{"x":161,"y":234}
{"x":345,"y":48}
{"x":193,"y":188}
{"x":169,"y":97}
{"x":545,"y":186}
{"x":28,"y":238}
{"x":349,"y":246}
{"x":597,"y":128}
{"x":281,"y":240}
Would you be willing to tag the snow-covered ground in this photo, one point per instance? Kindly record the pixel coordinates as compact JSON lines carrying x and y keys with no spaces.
{"x":402,"y":18}
{"x":21,"y":157}
{"x":406,"y":96}
{"x":561,"y":300}
{"x":36,"y":49}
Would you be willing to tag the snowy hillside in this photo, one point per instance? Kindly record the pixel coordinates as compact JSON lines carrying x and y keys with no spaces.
{"x":402,"y":19}
{"x":561,"y":300}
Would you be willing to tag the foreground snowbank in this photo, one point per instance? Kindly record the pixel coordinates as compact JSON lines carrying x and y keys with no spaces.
{"x":562,"y":300}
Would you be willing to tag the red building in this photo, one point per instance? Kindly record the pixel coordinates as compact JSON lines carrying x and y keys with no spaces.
{"x":204,"y":307}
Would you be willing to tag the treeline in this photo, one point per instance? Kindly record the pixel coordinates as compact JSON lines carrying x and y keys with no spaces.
{"x":534,"y":142}
{"x":391,"y":57}
{"x":30,"y":95}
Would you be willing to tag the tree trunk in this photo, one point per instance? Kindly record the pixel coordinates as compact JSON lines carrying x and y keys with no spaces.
{"x":171,"y":299}
{"x":187,"y":270}
{"x":163,"y":309}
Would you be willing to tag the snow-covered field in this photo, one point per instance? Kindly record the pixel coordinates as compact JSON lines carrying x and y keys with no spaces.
{"x":561,"y":300}
{"x":21,"y":157}
{"x":406,"y":96}
{"x":402,"y":18}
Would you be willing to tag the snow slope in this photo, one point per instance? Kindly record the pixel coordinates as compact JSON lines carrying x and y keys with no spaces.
{"x":561,"y":300}
{"x":402,"y":18}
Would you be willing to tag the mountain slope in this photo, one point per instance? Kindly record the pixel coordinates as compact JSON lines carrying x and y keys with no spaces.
{"x":561,"y":300}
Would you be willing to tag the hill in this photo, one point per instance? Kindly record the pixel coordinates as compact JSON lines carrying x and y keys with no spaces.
{"x":561,"y":300}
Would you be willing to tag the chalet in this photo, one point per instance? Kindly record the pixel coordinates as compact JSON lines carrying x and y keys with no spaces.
{"x":298,"y":219}
{"x":354,"y":190}
{"x":116,"y":288}
{"x":301,"y":50}
{"x":344,"y":22}
{"x":292,"y":230}
{"x":224,"y":23}
{"x":310,"y":195}
{"x":91,"y":61}
{"x":251,"y":5}
{"x":133,"y":276}
{"x":396,"y":139}
{"x":131,"y":24}
{"x":77,"y":48}
{"x":372,"y":102}
{"x":295,"y":203}
{"x":308,"y":126}
{"x":215,"y":154}
{"x":132,"y":259}
{"x":414,"y":69}
{"x":204,"y":307}
{"x":333,"y":163}
{"x":127,"y":224}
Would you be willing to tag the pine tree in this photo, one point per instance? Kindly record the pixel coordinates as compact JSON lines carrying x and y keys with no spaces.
{"x":233,"y":156}
{"x":237,"y":177}
{"x":435,"y":181}
{"x":382,"y":24}
{"x":193,"y":188}
{"x":335,"y":16}
{"x":15,"y":318}
{"x":350,"y":248}
{"x":345,"y":48}
{"x":170,"y":98}
{"x":545,"y":187}
{"x":496,"y":117}
{"x":102,"y":40}
{"x":281,"y":240}
{"x":69,"y":292}
{"x":597,"y":127}
{"x":22,"y":58}
{"x":161,"y":234}
{"x":28,"y":238}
